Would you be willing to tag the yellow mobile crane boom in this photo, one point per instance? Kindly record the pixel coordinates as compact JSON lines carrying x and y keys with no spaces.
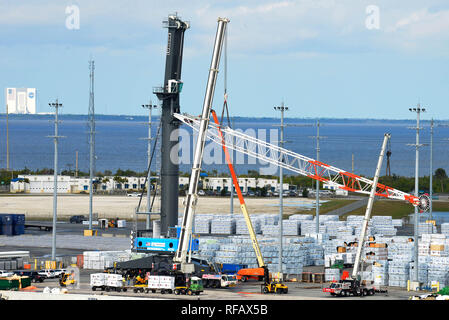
{"x":268,"y":286}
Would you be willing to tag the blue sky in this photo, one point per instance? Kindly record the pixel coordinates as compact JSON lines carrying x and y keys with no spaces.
{"x":316,"y":55}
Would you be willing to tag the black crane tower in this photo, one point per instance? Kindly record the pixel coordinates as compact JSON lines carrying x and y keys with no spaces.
{"x":169,"y":96}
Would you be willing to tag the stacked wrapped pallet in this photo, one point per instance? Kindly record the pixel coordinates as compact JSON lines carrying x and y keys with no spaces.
{"x":344,"y":231}
{"x":332,"y":274}
{"x":223,"y":224}
{"x":309,"y":226}
{"x":434,"y":244}
{"x":269,"y":219}
{"x":422,"y":272}
{"x":332,"y":227}
{"x":426,"y":228}
{"x":300,"y":217}
{"x":297,"y":252}
{"x":242,"y":228}
{"x":327,"y":218}
{"x":383,"y":225}
{"x":100,"y":260}
{"x":202,"y":223}
{"x":445,"y":228}
{"x":398,"y":273}
{"x":289,"y":228}
{"x":397,"y":222}
{"x":380,"y":272}
{"x":376,"y":252}
{"x":438,"y":270}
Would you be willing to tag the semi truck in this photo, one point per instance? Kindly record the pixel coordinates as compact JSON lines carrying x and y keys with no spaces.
{"x":166,"y":284}
{"x":345,"y":288}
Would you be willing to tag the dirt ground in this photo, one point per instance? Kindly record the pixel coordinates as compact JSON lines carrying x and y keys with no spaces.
{"x":41,"y":206}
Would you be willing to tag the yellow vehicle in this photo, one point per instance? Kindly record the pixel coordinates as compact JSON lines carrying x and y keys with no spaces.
{"x":275,"y":287}
{"x":66,"y":279}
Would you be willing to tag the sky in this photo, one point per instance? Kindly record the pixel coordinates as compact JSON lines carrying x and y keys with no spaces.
{"x":322,"y":58}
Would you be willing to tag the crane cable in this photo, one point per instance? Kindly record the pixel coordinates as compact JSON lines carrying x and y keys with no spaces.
{"x":225,"y":102}
{"x":148,"y":170}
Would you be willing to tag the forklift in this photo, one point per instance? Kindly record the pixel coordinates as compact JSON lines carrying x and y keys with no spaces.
{"x":66,"y":279}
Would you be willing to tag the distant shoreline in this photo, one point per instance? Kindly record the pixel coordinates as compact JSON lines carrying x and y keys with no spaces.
{"x":105,"y":117}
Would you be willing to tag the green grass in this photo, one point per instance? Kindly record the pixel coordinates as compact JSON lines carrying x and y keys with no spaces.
{"x":396,"y":209}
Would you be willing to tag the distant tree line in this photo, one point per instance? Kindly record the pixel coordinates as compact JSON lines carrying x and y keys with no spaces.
{"x":407,"y":184}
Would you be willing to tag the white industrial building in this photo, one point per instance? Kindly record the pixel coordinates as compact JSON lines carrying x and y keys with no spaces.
{"x":338,"y":191}
{"x":70,"y":184}
{"x":246,"y":184}
{"x":21,"y":100}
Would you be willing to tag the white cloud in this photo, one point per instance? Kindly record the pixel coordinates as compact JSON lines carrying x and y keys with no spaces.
{"x":256,"y":27}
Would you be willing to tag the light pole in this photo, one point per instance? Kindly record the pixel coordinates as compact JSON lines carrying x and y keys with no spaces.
{"x":55,"y":105}
{"x":91,"y":140}
{"x":149,"y":106}
{"x":418,"y":111}
{"x":317,"y":183}
{"x":431,"y":169}
{"x":282,"y":109}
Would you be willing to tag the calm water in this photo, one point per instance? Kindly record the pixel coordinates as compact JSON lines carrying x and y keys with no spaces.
{"x":119,"y":144}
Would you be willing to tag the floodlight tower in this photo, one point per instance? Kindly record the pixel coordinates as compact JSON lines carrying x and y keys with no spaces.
{"x":55,"y":137}
{"x":282,"y":109}
{"x":418,"y":111}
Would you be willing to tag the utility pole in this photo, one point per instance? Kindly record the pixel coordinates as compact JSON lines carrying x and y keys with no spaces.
{"x":431,"y":169}
{"x":7,"y":139}
{"x":282,"y":109}
{"x":55,"y":105}
{"x":317,"y":182}
{"x":91,"y":140}
{"x":352,"y":163}
{"x":418,"y":111}
{"x":76,"y":164}
{"x":149,"y":106}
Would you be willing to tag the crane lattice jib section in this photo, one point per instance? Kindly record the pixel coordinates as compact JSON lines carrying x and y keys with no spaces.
{"x":295,"y":162}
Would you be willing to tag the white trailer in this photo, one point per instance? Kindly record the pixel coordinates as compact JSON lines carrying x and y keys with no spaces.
{"x":165,"y":284}
{"x":106,"y":282}
{"x":219,"y":280}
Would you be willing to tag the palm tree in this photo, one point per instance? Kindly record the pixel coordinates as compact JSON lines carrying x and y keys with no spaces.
{"x":440,"y":174}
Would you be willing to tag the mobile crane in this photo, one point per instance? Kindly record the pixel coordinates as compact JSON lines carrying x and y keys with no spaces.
{"x":182,"y":262}
{"x":353,"y":285}
{"x":268,"y":286}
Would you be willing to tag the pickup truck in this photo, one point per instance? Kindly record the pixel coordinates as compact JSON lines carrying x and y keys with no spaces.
{"x":47,"y":273}
{"x":4,"y":273}
{"x":59,"y":272}
{"x":35,"y":277}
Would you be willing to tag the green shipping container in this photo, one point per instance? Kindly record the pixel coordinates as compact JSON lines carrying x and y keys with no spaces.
{"x":25,"y":281}
{"x":9,"y":284}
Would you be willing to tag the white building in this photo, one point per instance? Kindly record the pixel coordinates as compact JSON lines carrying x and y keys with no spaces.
{"x":70,"y":184}
{"x":246,"y":184}
{"x":21,"y":100}
{"x":338,"y":191}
